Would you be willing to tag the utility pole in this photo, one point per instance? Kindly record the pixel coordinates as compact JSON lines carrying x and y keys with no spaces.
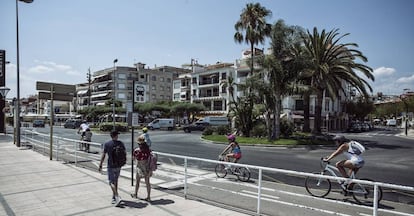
{"x":88,"y":76}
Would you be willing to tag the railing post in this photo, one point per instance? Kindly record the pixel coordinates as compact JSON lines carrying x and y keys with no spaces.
{"x":57,"y":149}
{"x":375,"y":204}
{"x":259,"y":191}
{"x":185,"y":178}
{"x":76,"y":152}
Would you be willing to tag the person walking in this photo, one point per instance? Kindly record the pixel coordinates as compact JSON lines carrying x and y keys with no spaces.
{"x":146,"y":136}
{"x":116,"y":159}
{"x":87,"y":138}
{"x":141,"y":155}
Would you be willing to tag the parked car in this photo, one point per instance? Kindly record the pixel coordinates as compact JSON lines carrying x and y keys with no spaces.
{"x":197,"y":126}
{"x":39,"y":123}
{"x":355,"y":127}
{"x":72,"y":123}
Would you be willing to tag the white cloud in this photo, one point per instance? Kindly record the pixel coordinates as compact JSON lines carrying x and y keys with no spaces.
{"x":383,"y":71}
{"x":409,"y":79}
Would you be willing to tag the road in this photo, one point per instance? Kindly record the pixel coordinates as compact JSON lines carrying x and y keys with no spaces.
{"x":388,"y":157}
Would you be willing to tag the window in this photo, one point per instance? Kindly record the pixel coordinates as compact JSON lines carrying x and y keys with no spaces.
{"x":218,"y":105}
{"x":223,"y":89}
{"x":224,"y":76}
{"x":176,"y":96}
{"x":153,"y":78}
{"x":153,"y":97}
{"x":162,"y":88}
{"x":177,"y":85}
{"x":142,"y":76}
{"x":327,"y":104}
{"x":298,"y":104}
{"x":153,"y":87}
{"x":121,"y":76}
{"x":169,"y":80}
{"x":121,"y":96}
{"x":161,"y":79}
{"x":121,"y":86}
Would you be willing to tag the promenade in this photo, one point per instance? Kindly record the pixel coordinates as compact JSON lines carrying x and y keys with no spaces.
{"x":31,"y":184}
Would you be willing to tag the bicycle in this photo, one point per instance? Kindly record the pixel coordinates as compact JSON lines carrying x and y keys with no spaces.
{"x":242,"y":173}
{"x":320,"y":187}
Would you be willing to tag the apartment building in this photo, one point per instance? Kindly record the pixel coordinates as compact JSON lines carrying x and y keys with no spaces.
{"x":154,"y":85}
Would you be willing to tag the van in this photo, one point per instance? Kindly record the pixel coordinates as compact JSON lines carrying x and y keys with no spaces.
{"x":215,"y":120}
{"x":161,"y":124}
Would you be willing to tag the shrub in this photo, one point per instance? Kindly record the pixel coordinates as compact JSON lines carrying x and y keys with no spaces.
{"x":259,"y":130}
{"x":121,"y":127}
{"x":286,"y":128}
{"x":223,"y":130}
{"x":208,"y":130}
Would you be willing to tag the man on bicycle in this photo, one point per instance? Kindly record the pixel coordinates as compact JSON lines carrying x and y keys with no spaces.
{"x":353,"y":160}
{"x":235,"y":153}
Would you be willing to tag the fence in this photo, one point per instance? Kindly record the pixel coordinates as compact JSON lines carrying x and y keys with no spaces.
{"x":67,"y":150}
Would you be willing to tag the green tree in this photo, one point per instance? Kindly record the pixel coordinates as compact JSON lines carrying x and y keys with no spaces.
{"x":281,"y":69}
{"x":333,"y":64}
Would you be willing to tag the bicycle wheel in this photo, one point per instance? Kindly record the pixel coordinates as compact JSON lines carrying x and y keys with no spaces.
{"x":364,"y":194}
{"x":318,"y":187}
{"x":221,"y":171}
{"x":243,"y":174}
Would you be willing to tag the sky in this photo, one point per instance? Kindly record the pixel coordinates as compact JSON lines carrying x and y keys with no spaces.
{"x":61,"y":39}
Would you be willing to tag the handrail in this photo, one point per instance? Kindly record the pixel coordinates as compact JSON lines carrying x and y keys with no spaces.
{"x":259,"y":168}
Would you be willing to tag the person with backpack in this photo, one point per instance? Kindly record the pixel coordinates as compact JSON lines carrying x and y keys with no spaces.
{"x":116,"y":152}
{"x":146,"y":136}
{"x":352,"y":151}
{"x":142,"y":155}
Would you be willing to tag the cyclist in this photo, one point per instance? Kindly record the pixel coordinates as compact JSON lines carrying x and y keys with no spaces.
{"x":235,"y":153}
{"x":353,"y":160}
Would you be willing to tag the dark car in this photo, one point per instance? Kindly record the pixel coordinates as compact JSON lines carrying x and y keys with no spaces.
{"x":72,"y":123}
{"x":197,"y":126}
{"x":39,"y":123}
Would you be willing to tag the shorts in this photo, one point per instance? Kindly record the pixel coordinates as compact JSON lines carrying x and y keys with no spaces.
{"x":237,"y":155}
{"x":113,"y":174}
{"x":357,"y":163}
{"x":143,"y":168}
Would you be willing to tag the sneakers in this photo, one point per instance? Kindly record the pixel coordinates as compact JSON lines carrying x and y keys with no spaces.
{"x":113,"y":200}
{"x":118,"y":200}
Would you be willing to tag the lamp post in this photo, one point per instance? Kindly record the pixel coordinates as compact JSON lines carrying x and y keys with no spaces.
{"x":114,"y":96}
{"x":18,"y":71}
{"x":3,"y":91}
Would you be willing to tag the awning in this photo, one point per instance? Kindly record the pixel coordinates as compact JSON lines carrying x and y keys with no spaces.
{"x":103,"y":85}
{"x":100,"y":95}
{"x":81,"y":92}
{"x":100,"y":104}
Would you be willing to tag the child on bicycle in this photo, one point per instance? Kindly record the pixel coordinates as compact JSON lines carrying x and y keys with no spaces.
{"x":235,"y":153}
{"x":353,"y":160}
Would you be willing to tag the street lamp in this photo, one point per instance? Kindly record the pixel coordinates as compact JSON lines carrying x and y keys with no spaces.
{"x":114,"y":96}
{"x":18,"y":70}
{"x":3,"y":92}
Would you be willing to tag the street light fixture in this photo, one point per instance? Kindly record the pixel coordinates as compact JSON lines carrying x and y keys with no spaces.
{"x":18,"y":71}
{"x":114,"y":96}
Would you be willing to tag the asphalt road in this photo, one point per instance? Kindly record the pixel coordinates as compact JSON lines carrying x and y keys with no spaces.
{"x":388,"y":157}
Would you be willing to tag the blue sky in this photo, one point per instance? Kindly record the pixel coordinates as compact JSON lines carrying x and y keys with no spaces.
{"x":61,"y":39}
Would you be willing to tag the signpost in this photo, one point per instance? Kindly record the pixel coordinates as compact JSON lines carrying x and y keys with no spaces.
{"x":54,"y":91}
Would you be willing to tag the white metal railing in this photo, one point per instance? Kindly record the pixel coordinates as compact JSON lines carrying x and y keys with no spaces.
{"x":61,"y":142}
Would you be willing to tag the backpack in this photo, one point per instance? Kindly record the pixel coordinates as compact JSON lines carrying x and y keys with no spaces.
{"x":153,"y":158}
{"x":357,"y":147}
{"x":118,"y":155}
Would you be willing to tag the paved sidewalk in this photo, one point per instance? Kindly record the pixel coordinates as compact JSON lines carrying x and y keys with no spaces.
{"x":31,"y":184}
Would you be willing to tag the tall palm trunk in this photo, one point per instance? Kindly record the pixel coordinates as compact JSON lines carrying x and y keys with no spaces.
{"x":318,"y":112}
{"x":306,"y":112}
{"x":276,"y":118}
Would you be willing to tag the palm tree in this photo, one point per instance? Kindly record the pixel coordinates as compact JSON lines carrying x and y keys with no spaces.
{"x":282,"y":67}
{"x":333,"y":64}
{"x":253,"y":23}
